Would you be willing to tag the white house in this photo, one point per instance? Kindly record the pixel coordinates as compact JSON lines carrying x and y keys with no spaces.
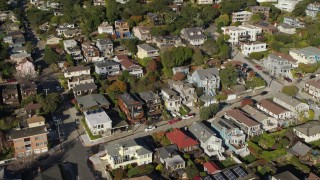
{"x":107,"y":67}
{"x":71,"y":43}
{"x":241,"y":16}
{"x":290,"y":103}
{"x":122,"y":1}
{"x":204,"y":1}
{"x":171,"y":98}
{"x":313,"y":88}
{"x":310,"y":131}
{"x":142,"y":33}
{"x":194,"y":36}
{"x":243,"y":33}
{"x":105,"y":27}
{"x":248,"y":48}
{"x":313,"y":9}
{"x":287,"y":5}
{"x":307,"y":55}
{"x":76,"y":71}
{"x":147,"y":51}
{"x":98,"y":122}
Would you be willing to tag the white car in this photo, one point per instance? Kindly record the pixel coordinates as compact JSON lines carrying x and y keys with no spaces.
{"x":149,"y":128}
{"x":318,"y":106}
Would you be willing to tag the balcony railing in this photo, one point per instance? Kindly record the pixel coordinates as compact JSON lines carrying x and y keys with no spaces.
{"x":27,"y":142}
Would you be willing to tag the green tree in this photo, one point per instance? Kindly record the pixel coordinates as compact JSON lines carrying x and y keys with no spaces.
{"x":255,"y":82}
{"x":197,"y":57}
{"x":300,"y":8}
{"x":37,"y":17}
{"x":130,"y":44}
{"x":69,"y":60}
{"x":257,"y":17}
{"x":221,"y":97}
{"x":228,"y":76}
{"x":50,"y":103}
{"x":210,"y":47}
{"x":208,"y":112}
{"x":4,"y":5}
{"x":222,"y":20}
{"x":30,"y":47}
{"x":50,"y":56}
{"x":290,"y":90}
{"x":256,"y":55}
{"x":112,"y":10}
{"x":158,"y":31}
{"x":229,"y":6}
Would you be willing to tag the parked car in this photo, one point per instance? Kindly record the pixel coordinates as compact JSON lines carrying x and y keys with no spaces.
{"x":258,"y":67}
{"x":299,"y":75}
{"x":312,"y":76}
{"x":149,"y":128}
{"x":172,"y":121}
{"x":318,"y":106}
{"x":188,"y":116}
{"x":287,"y":79}
{"x":264,"y":93}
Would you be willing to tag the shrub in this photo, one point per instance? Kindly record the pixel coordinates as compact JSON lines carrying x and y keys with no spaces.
{"x":256,"y":55}
{"x":144,"y":169}
{"x":290,"y":90}
{"x":160,"y":167}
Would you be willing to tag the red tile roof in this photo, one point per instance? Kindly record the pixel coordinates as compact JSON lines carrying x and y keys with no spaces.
{"x":211,"y":167}
{"x":180,"y":139}
{"x":126,"y":63}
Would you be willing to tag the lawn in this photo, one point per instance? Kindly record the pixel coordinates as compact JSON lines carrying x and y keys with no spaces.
{"x":228,"y":162}
{"x":249,"y":159}
{"x":295,"y":161}
{"x":91,"y":136}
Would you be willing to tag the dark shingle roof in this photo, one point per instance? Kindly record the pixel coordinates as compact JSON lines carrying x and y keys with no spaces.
{"x":84,"y":87}
{"x":309,"y":128}
{"x":92,"y":100}
{"x":16,"y":134}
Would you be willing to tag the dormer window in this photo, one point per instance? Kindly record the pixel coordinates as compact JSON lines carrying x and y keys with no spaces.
{"x":191,"y":33}
{"x":199,"y":33}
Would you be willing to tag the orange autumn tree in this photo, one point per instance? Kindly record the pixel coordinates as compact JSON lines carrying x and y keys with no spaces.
{"x":116,"y":88}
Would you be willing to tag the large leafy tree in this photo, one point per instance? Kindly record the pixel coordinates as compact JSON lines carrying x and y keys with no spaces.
{"x":112,"y":10}
{"x":51,"y":102}
{"x":228,"y":76}
{"x":50,"y":56}
{"x":255,"y":82}
{"x":37,"y":17}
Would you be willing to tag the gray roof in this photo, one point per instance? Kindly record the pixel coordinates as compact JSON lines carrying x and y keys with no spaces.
{"x":113,"y":148}
{"x":167,"y":151}
{"x":300,"y":149}
{"x":307,"y":51}
{"x":147,"y":47}
{"x":287,"y":99}
{"x":106,"y":63}
{"x":104,"y":41}
{"x":148,"y":95}
{"x":194,"y":30}
{"x":223,"y":123}
{"x":285,"y":176}
{"x":309,"y":128}
{"x":129,"y":99}
{"x":92,"y":100}
{"x":207,"y":73}
{"x":84,"y":87}
{"x":278,"y":58}
{"x":16,"y":134}
{"x":170,"y":92}
{"x":201,"y":131}
{"x":254,"y":113}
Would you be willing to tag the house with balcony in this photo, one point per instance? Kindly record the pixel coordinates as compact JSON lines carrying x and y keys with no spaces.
{"x":193,"y":36}
{"x":77,"y":80}
{"x":92,"y":101}
{"x":147,"y":51}
{"x":182,"y":140}
{"x":186,"y":92}
{"x":250,"y":47}
{"x":107,"y":68}
{"x":98,"y":122}
{"x":132,"y":107}
{"x":312,"y":87}
{"x":10,"y":94}
{"x":208,"y":79}
{"x":142,"y":33}
{"x":71,"y":47}
{"x":287,"y":5}
{"x":105,"y":46}
{"x":290,"y":103}
{"x":76,"y":71}
{"x":242,"y":16}
{"x":307,"y":55}
{"x":105,"y":27}
{"x":84,"y":89}
{"x":152,"y":102}
{"x":121,"y":154}
{"x":242,"y":33}
{"x":261,"y":9}
{"x":233,"y":137}
{"x":167,"y":41}
{"x":294,"y":22}
{"x":267,"y":123}
{"x":127,"y":64}
{"x":90,"y":52}
{"x":172,"y":100}
{"x":313,"y":9}
{"x":249,"y":126}
{"x":28,"y":88}
{"x":209,"y":142}
{"x":267,"y":27}
{"x":122,"y":28}
{"x":278,"y":66}
{"x":170,"y":157}
{"x":309,"y":131}
{"x":31,"y":140}
{"x":283,"y":115}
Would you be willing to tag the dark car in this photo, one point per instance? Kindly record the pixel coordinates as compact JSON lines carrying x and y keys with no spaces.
{"x":264,"y":93}
{"x":247,"y":97}
{"x":312,"y":76}
{"x":287,"y":79}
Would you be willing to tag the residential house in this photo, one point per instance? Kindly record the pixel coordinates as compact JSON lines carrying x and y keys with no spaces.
{"x":71,"y":33}
{"x":283,"y":115}
{"x":313,"y":9}
{"x":312,"y":87}
{"x":294,"y":22}
{"x":211,"y":167}
{"x":299,"y":149}
{"x":208,"y":79}
{"x":84,"y":89}
{"x":105,"y":46}
{"x":172,"y":100}
{"x":234,"y":172}
{"x":132,"y":107}
{"x":92,"y":101}
{"x":105,"y":27}
{"x":167,"y":41}
{"x":128,"y":65}
{"x":122,"y":1}
{"x":277,"y":66}
{"x":29,"y":141}
{"x":99,"y":2}
{"x":245,"y":123}
{"x":186,"y":92}
{"x":233,"y":137}
{"x":70,"y":43}
{"x":76,"y":71}
{"x":53,"y":40}
{"x":287,"y":29}
{"x":290,"y":103}
{"x":10,"y":94}
{"x":122,"y":28}
{"x":261,"y":9}
{"x":242,"y":16}
{"x":35,"y":121}
{"x":77,"y":80}
{"x":72,"y":48}
{"x":194,"y":36}
{"x":287,"y":5}
{"x":155,"y":19}
{"x":309,"y":131}
{"x":121,"y":154}
{"x":147,"y":51}
{"x":32,"y":109}
{"x":170,"y":157}
{"x":284,"y":175}
{"x":107,"y":67}
{"x":181,"y":69}
{"x":18,"y":50}
{"x":183,"y":141}
{"x":28,"y":89}
{"x":251,"y":47}
{"x":142,"y":33}
{"x":242,"y":33}
{"x":209,"y":142}
{"x":267,"y":27}
{"x":98,"y":122}
{"x":90,"y":52}
{"x":307,"y":55}
{"x":17,"y":58}
{"x":26,"y":68}
{"x":267,"y":123}
{"x":152,"y":102}
{"x":205,"y":1}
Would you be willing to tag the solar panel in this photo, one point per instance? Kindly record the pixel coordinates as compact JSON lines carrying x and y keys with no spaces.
{"x":264,"y":24}
{"x":218,"y":176}
{"x":240,"y":172}
{"x":230,"y":175}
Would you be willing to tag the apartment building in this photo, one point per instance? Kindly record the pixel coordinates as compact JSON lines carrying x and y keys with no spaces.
{"x":287,"y":5}
{"x":250,"y":47}
{"x":142,"y":33}
{"x":105,"y":27}
{"x":132,"y":107}
{"x":122,"y":28}
{"x":277,"y":65}
{"x":90,"y":52}
{"x":261,"y":9}
{"x":290,"y":103}
{"x":243,"y":33}
{"x":242,"y":16}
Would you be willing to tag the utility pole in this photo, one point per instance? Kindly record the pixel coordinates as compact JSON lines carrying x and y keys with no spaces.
{"x":58,"y":122}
